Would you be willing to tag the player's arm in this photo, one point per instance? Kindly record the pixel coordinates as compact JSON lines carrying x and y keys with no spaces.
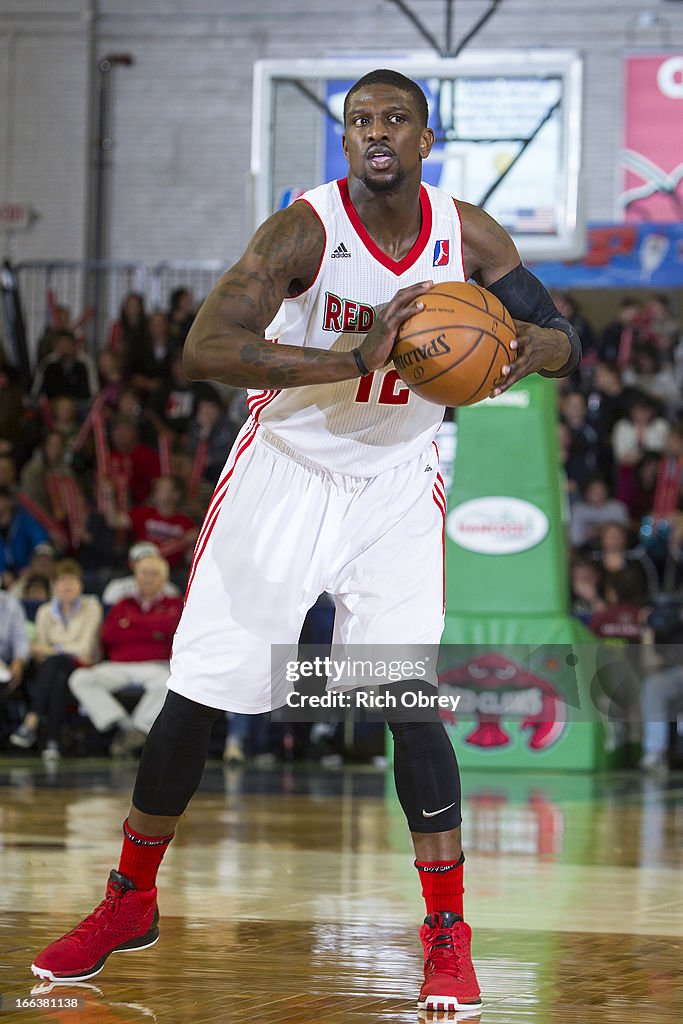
{"x":226,"y":341}
{"x":546,"y":342}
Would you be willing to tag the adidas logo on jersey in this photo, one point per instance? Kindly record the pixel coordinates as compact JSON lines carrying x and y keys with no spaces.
{"x":341,"y":252}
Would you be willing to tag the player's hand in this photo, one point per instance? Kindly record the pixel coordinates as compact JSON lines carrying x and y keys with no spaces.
{"x":537,"y":348}
{"x":380,"y":339}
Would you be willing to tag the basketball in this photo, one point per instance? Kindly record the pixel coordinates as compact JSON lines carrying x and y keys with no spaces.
{"x":452,"y":351}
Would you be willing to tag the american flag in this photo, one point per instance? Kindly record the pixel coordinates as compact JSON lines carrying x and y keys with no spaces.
{"x":535,"y":220}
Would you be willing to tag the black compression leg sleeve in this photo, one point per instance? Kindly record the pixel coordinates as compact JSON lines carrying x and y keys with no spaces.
{"x":426,"y":773}
{"x":174,"y":756}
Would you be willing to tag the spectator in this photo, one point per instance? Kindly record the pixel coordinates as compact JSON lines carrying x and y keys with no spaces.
{"x":172,"y":407}
{"x":621,"y":616}
{"x":131,"y":408}
{"x":43,"y":563}
{"x":596,"y":508}
{"x":14,"y":645}
{"x":67,"y":635}
{"x":149,"y":363}
{"x":65,"y":419}
{"x":49,"y":459}
{"x":129,"y":332}
{"x":660,"y":325}
{"x":615,"y":553}
{"x":126,"y":586}
{"x":641,"y":431}
{"x":180,"y":316}
{"x":586,"y":456}
{"x":60,"y":321}
{"x":160,"y":522}
{"x":19,"y":535}
{"x":609,"y":401}
{"x":137,"y":635}
{"x":585,"y":588}
{"x":647,"y":375}
{"x":638,"y":489}
{"x":66,"y":372}
{"x":8,"y":472}
{"x":111,"y":376}
{"x":567,"y":306}
{"x":135,"y":463}
{"x":621,"y":336}
{"x":213,"y":426}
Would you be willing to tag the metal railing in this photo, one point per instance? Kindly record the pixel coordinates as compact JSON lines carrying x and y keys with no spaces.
{"x":94,"y":290}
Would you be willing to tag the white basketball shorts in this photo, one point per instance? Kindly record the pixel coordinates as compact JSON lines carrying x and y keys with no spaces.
{"x":279,"y":531}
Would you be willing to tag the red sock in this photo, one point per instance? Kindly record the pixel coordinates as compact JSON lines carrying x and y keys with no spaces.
{"x":442,"y":884}
{"x":141,"y":856}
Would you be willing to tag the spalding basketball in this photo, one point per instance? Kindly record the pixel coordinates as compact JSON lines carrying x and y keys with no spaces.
{"x":452,"y":351}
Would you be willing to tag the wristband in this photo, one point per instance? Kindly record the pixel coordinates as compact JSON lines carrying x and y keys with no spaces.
{"x":360,"y":362}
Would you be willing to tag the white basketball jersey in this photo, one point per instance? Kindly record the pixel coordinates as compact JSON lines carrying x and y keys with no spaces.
{"x":369,"y":424}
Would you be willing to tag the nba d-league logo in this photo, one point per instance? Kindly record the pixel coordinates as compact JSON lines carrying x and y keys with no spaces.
{"x":441,"y":253}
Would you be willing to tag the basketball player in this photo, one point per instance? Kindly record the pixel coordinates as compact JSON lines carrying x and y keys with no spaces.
{"x":331,"y":485}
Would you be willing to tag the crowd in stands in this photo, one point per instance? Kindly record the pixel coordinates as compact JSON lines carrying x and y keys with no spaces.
{"x":107,"y":466}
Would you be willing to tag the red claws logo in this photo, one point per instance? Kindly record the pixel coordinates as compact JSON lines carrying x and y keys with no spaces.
{"x":494,"y":687}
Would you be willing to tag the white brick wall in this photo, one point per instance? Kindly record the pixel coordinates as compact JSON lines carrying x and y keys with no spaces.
{"x":182,"y":113}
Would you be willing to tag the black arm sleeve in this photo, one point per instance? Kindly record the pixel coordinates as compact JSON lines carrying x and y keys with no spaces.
{"x":526,"y":298}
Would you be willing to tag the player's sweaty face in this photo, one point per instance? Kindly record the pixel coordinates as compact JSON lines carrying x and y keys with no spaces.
{"x":384,"y":138}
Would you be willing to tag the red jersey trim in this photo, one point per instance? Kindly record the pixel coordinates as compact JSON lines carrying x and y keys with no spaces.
{"x":410,"y":258}
{"x":462,"y":240}
{"x":298,"y":295}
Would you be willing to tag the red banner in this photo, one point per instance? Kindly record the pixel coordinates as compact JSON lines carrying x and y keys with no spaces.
{"x":653,"y":128}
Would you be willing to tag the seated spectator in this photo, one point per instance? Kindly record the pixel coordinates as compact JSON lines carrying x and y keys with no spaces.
{"x":37,"y":589}
{"x":66,"y":372}
{"x":49,"y":459}
{"x":596,"y":508}
{"x":127,"y":586}
{"x":585,"y":579}
{"x":19,"y":535}
{"x":14,"y":644}
{"x":136,"y":636}
{"x":60,"y":321}
{"x":587,"y":455}
{"x":149,"y":363}
{"x":42,"y":563}
{"x":160,"y":522}
{"x":173,"y":405}
{"x":647,"y":375}
{"x":136,"y":464}
{"x":622,"y":335}
{"x":609,"y":399}
{"x":643,"y":430}
{"x":131,"y":408}
{"x":130,"y":330}
{"x":8,"y":471}
{"x":211,"y":431}
{"x":67,"y":635}
{"x":639,"y":487}
{"x":64,"y":414}
{"x":616,"y":552}
{"x":661,"y":326}
{"x":111,"y":377}
{"x":621,"y":617}
{"x":180,"y":316}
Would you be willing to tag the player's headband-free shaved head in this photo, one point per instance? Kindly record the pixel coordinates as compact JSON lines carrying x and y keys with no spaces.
{"x":384,"y":76}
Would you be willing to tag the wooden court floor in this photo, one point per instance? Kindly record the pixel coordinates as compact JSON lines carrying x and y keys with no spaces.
{"x":289,"y":896}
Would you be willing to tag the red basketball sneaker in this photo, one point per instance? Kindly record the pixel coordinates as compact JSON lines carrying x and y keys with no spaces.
{"x":450,"y":982}
{"x":125,"y":919}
